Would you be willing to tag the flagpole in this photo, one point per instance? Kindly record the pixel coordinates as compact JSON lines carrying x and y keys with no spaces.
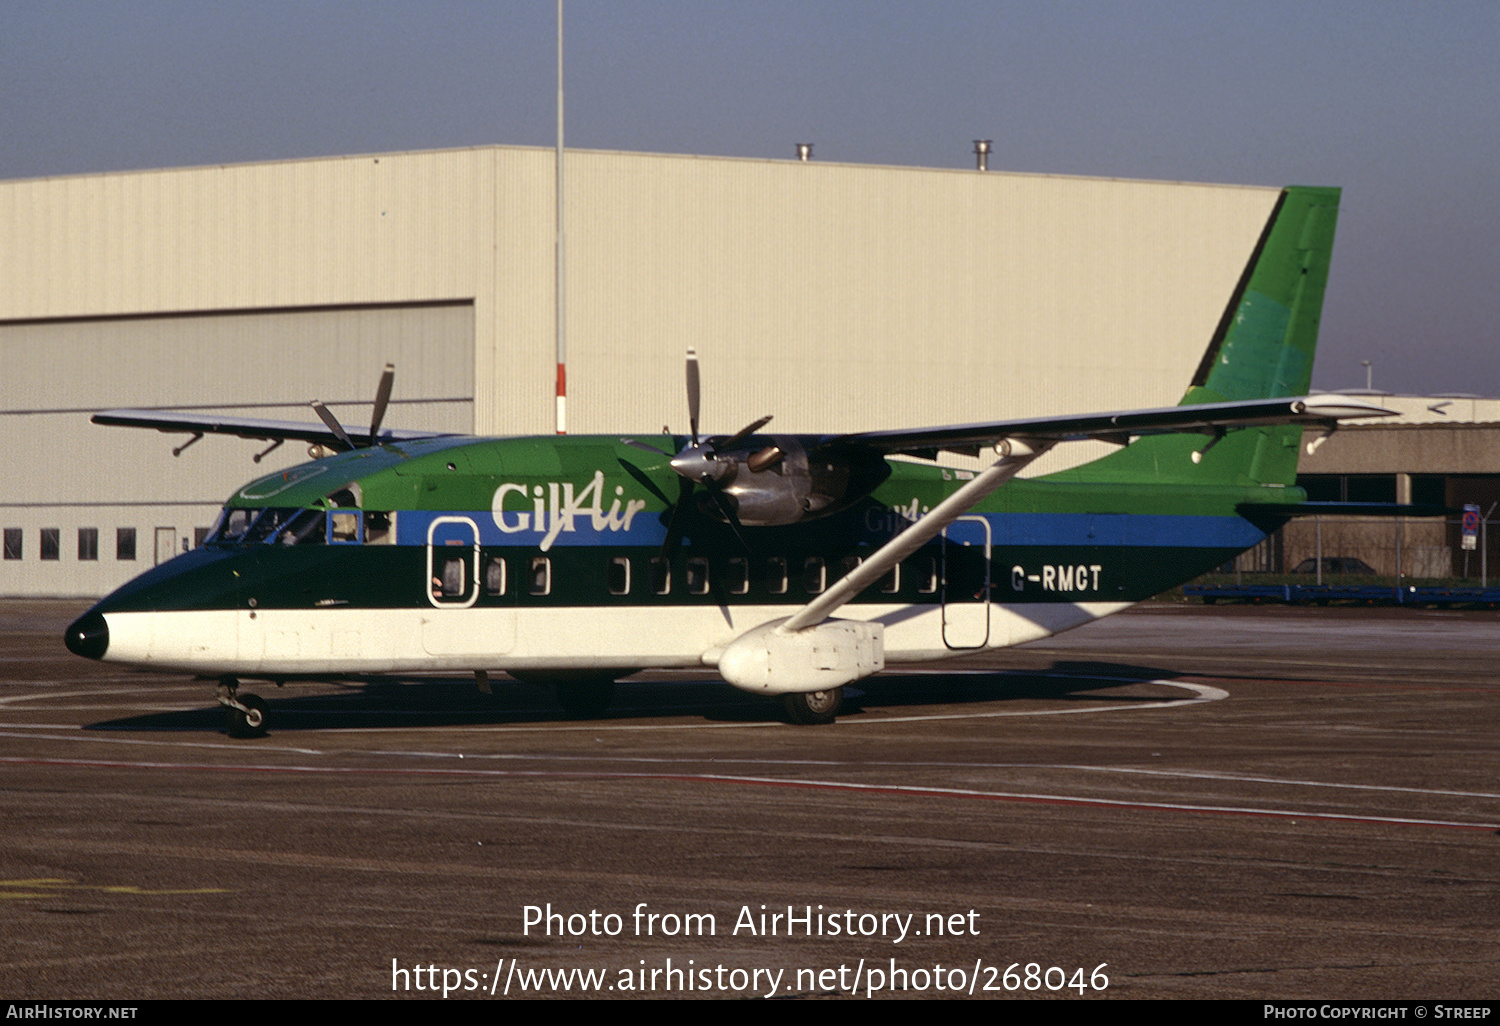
{"x":562,"y":333}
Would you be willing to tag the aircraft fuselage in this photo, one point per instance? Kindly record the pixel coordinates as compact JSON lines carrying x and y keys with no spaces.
{"x":550,"y":554}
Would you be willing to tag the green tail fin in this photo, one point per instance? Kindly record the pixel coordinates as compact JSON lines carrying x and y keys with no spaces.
{"x":1263,"y":348}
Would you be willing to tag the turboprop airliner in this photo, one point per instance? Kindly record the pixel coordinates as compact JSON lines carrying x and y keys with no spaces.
{"x":790,"y":564}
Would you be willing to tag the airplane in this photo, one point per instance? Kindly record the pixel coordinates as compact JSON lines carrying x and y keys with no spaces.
{"x":576,"y":560}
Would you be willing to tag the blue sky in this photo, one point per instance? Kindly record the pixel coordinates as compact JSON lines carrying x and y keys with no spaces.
{"x":1398,"y":103}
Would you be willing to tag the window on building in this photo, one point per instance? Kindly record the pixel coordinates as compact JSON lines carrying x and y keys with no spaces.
{"x":125,"y":543}
{"x":88,"y":544}
{"x":51,"y":543}
{"x":13,"y":543}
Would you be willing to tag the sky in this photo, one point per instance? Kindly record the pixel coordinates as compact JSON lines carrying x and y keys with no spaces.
{"x":1397,"y":102}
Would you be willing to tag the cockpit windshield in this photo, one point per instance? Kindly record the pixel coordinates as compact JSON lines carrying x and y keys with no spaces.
{"x":274,"y":526}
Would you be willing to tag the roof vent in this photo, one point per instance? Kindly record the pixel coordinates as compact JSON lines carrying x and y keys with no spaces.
{"x":804,"y":151}
{"x":982,"y":154}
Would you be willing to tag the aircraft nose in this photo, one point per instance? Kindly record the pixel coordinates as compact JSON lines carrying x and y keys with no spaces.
{"x":88,"y":636}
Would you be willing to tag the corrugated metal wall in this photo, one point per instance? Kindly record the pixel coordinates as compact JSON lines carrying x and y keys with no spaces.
{"x":841,"y":297}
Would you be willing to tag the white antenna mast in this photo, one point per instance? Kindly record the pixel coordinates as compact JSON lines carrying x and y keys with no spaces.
{"x":562,"y":331}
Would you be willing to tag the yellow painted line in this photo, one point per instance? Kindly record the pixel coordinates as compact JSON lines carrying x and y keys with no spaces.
{"x":54,"y":885}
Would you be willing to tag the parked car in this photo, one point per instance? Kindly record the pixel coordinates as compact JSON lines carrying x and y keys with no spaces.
{"x":1334,"y":565}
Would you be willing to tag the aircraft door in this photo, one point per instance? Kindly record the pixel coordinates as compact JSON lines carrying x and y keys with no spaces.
{"x":966,"y":583}
{"x":452,"y":562}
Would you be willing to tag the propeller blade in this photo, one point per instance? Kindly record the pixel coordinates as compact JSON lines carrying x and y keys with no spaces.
{"x":382,"y":397}
{"x":726,"y":508}
{"x":650,"y":485}
{"x":692,"y":390}
{"x":741,"y":434}
{"x":333,"y":423}
{"x":674,"y":522}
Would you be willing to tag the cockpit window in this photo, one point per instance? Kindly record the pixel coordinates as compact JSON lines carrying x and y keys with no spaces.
{"x":273,"y":526}
{"x":268,"y":525}
{"x":306,"y":528}
{"x":232,"y":525}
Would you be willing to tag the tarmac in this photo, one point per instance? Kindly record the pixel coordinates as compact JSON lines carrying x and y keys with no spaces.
{"x":1176,"y":802}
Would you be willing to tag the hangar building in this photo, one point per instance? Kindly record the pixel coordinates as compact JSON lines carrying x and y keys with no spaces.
{"x":836,"y":297}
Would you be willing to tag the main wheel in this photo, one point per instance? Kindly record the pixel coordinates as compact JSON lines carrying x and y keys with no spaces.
{"x":251,"y":723}
{"x":813,"y":707}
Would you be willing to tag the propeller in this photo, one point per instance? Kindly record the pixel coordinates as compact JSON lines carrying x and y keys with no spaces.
{"x":701,"y":462}
{"x":382,"y":399}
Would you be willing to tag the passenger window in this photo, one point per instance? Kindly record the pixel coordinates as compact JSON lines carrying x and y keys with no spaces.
{"x":776,"y":575}
{"x":541,"y":576}
{"x":697,"y":576}
{"x":494,"y":576}
{"x":737,"y":575}
{"x":814,"y":575}
{"x":453,"y":577}
{"x":619,"y":576}
{"x":661,"y":576}
{"x":927,"y":575}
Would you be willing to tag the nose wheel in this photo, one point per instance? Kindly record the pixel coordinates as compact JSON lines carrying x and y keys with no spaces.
{"x":247,"y":713}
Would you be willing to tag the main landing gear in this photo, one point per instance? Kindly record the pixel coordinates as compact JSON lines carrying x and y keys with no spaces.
{"x":247,"y":713}
{"x":810,"y":708}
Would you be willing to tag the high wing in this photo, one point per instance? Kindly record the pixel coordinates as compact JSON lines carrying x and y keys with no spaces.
{"x":1209,"y":418}
{"x":249,"y":427}
{"x":332,"y":434}
{"x":1020,"y":441}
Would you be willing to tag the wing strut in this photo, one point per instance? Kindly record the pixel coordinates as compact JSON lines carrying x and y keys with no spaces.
{"x":1016,"y":453}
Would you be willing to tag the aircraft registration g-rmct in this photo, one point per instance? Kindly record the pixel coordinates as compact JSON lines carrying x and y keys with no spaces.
{"x":576,"y":560}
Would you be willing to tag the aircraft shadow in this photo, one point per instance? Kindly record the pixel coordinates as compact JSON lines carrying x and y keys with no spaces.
{"x":416,"y":701}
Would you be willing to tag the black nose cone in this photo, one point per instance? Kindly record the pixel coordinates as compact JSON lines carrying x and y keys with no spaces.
{"x":88,"y":637}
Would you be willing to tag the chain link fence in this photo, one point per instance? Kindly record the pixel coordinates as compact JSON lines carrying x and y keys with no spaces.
{"x":1350,"y":553}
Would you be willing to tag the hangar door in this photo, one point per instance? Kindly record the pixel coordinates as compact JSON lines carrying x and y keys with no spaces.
{"x":69,"y":475}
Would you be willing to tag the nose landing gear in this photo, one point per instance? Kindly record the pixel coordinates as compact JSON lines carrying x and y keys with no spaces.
{"x":247,"y":713}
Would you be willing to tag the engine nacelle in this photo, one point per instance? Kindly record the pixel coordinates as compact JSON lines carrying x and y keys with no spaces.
{"x":777,"y":479}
